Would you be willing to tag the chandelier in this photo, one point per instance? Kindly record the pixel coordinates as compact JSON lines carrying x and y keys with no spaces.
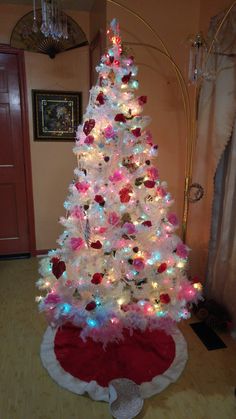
{"x":54,"y":21}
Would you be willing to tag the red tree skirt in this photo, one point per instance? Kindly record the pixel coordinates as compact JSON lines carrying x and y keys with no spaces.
{"x":152,"y":359}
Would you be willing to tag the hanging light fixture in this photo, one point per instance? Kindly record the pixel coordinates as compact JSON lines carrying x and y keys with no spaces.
{"x":54,"y":21}
{"x":197,"y":53}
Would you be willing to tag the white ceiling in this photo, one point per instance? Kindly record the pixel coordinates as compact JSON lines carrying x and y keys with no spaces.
{"x":66,"y":4}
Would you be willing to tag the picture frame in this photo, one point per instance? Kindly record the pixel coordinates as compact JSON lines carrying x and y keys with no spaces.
{"x":56,"y":114}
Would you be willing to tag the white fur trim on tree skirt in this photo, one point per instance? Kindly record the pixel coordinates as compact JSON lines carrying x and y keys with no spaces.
{"x":97,"y":392}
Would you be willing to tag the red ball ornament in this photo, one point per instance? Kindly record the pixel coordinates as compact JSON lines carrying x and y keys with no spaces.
{"x":90,"y":306}
{"x":165,"y":298}
{"x":136,"y":132}
{"x":97,"y":278}
{"x":162,"y":268}
{"x":88,"y":126}
{"x":120,"y":117}
{"x":96,"y":245}
{"x":149,"y":183}
{"x":126,"y":78}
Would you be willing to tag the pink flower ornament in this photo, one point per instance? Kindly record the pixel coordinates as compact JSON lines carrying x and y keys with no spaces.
{"x":182,"y":251}
{"x":172,"y":218}
{"x":109,"y":132}
{"x":113,"y":218}
{"x":76,"y":243}
{"x":129,"y":228}
{"x":82,"y":186}
{"x":116,"y":177}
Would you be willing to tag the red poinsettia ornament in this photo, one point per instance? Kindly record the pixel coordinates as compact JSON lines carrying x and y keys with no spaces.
{"x":125,"y":194}
{"x":136,"y":132}
{"x":96,"y":245}
{"x":99,"y":199}
{"x":126,"y":78}
{"x":100,"y":98}
{"x":88,"y":126}
{"x":147,"y":223}
{"x":142,"y":100}
{"x":120,"y":117}
{"x":97,"y":278}
{"x":149,"y":183}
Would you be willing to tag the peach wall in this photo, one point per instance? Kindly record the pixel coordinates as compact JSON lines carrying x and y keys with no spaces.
{"x":52,"y":163}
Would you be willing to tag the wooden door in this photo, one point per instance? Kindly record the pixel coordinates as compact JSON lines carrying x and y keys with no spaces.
{"x":14,"y":202}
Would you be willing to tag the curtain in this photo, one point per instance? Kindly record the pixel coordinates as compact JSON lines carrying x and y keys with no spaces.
{"x":221,"y":276}
{"x":212,"y":221}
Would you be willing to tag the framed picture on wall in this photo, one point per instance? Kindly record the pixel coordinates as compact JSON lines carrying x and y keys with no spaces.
{"x":56,"y":114}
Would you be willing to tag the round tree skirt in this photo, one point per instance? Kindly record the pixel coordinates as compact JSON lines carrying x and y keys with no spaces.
{"x":151,"y":359}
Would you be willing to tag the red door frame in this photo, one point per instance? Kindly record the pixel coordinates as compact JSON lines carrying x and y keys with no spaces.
{"x":26,"y":142}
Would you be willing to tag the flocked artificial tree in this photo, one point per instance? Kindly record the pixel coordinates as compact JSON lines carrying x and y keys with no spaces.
{"x":119,"y":264}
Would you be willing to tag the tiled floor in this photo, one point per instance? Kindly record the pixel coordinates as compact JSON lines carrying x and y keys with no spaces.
{"x":204,"y":391}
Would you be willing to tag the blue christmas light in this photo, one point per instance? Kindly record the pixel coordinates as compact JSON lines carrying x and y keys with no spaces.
{"x":92,"y":322}
{"x":66,"y":205}
{"x":64,"y":275}
{"x":65,"y":308}
{"x":156,"y":256}
{"x":161,"y":313}
{"x":135,"y":84}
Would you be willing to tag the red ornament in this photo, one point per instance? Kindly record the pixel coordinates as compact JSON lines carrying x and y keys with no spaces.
{"x":138,"y":264}
{"x":100,"y":98}
{"x":165,"y":298}
{"x":126,"y":78}
{"x":58,"y":267}
{"x":96,"y":245}
{"x":149,"y":183}
{"x":88,"y":126}
{"x":136,"y":132}
{"x":97,"y":278}
{"x":120,"y":117}
{"x":99,"y":199}
{"x":195,"y":280}
{"x":89,"y":139}
{"x":142,"y":100}
{"x":90,"y":306}
{"x":147,"y":223}
{"x":162,"y":268}
{"x":54,"y":260}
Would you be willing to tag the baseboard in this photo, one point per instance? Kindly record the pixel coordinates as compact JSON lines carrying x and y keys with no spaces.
{"x":41,"y":252}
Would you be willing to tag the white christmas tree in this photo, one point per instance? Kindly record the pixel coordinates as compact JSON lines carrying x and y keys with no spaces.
{"x":119,"y":264}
